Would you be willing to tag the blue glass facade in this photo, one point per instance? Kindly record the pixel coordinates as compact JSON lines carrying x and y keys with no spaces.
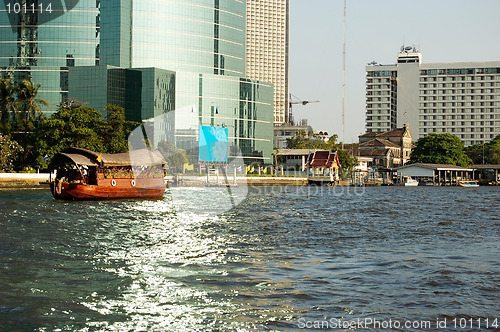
{"x":203,"y":36}
{"x":242,"y":105}
{"x":43,"y":52}
{"x":116,"y":33}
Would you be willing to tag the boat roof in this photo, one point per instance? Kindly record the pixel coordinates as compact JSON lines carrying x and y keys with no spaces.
{"x":80,"y":156}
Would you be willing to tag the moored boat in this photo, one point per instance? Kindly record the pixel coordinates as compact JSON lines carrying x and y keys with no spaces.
{"x":468,"y":184}
{"x":84,"y":174}
{"x":410,"y":182}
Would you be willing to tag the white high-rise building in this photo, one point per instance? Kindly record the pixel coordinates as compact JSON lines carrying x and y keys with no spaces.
{"x":267,"y":49}
{"x":462,"y":99}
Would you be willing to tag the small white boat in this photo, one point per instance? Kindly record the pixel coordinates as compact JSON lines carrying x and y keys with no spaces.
{"x":409,"y":182}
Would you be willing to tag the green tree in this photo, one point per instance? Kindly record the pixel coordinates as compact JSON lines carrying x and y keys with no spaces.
{"x":10,"y":152}
{"x":300,"y":141}
{"x":347,"y":163}
{"x":475,"y":153}
{"x":70,"y":126}
{"x":116,"y":129}
{"x":440,"y":149}
{"x":488,"y":153}
{"x":492,"y":151}
{"x":7,"y":103}
{"x":493,"y":156}
{"x":175,"y":158}
{"x":28,"y":103}
{"x":332,"y":141}
{"x":303,"y":141}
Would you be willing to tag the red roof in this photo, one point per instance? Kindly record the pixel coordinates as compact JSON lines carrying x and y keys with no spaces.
{"x":323,"y":158}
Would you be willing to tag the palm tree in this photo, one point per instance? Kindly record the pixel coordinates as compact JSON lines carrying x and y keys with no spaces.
{"x":7,"y":98}
{"x":28,"y":104}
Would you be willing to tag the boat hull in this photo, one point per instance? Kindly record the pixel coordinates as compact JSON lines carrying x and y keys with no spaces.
{"x":78,"y":191}
{"x":468,"y":185}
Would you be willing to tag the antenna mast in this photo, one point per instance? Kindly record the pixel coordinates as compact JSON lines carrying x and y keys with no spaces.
{"x":343,"y":76}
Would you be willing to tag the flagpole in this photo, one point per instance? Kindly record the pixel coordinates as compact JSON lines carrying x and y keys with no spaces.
{"x":343,"y":75}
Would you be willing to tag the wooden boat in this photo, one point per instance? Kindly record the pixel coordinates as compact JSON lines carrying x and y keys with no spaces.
{"x":468,"y":184}
{"x":83,"y":174}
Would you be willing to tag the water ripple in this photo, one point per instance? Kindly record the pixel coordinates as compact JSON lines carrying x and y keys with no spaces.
{"x":281,"y":255}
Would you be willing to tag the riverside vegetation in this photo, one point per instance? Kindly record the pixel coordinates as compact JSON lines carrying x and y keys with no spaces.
{"x":28,"y":139}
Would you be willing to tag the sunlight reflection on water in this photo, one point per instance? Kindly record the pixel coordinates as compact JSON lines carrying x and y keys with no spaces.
{"x":177,"y":250}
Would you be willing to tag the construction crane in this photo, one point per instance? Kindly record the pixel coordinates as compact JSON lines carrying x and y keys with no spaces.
{"x":289,"y":119}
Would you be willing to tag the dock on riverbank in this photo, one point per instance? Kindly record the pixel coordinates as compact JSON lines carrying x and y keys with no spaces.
{"x":230,"y":180}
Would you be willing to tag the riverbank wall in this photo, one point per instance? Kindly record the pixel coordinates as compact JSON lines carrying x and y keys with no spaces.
{"x":230,"y":180}
{"x":35,"y":180}
{"x":24,"y":180}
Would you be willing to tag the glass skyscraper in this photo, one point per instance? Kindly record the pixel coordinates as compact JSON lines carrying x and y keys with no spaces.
{"x":42,"y":46}
{"x":166,"y":54}
{"x":196,"y":36}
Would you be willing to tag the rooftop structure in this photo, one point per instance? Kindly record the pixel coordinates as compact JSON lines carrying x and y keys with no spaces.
{"x":283,"y":133}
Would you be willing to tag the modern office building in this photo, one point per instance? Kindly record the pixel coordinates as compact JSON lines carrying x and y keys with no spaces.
{"x":151,"y":57}
{"x":42,"y":46}
{"x":267,"y":49}
{"x":462,"y":99}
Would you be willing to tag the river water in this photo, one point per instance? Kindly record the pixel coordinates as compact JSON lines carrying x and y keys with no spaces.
{"x":284,"y":259}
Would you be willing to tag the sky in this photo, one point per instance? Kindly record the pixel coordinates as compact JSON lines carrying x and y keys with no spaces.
{"x":443,"y":31}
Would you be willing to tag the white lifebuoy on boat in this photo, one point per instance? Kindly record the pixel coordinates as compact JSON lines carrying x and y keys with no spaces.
{"x":132,"y":183}
{"x":113,"y":182}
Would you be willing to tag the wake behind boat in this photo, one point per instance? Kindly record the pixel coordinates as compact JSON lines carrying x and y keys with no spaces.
{"x":84,"y":174}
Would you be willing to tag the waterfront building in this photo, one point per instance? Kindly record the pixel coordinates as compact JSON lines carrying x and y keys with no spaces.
{"x":436,"y":174}
{"x":462,"y":99}
{"x":285,"y":132}
{"x":150,"y":57}
{"x":486,"y":173}
{"x":323,"y":166}
{"x":267,"y":26}
{"x":247,"y":114}
{"x":293,"y":159}
{"x":388,"y":149}
{"x":399,"y":137}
